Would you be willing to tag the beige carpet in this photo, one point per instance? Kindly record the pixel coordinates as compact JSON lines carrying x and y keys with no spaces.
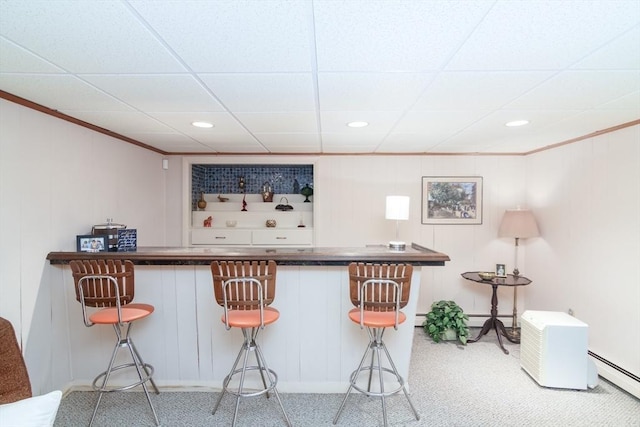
{"x":451,"y":385}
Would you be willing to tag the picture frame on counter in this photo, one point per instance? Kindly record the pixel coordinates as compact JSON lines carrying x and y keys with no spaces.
{"x":452,"y":200}
{"x":501,"y":270}
{"x":92,"y":243}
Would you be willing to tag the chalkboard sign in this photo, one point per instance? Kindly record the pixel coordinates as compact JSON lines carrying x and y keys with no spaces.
{"x":127,"y":240}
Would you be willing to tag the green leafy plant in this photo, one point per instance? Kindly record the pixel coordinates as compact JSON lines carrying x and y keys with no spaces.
{"x":446,"y":315}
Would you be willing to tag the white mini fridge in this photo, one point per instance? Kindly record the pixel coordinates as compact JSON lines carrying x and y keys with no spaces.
{"x":553,"y":350}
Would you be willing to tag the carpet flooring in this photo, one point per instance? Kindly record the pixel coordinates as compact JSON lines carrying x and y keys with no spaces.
{"x":451,"y":385}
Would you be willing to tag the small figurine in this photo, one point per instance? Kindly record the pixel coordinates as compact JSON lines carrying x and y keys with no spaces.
{"x":207,"y":221}
{"x":244,"y":203}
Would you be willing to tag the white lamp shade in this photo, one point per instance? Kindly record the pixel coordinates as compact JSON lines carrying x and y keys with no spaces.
{"x":397,"y":207}
{"x":518,"y":223}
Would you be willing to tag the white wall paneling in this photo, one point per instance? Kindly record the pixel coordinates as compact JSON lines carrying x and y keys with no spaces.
{"x":585,"y":196}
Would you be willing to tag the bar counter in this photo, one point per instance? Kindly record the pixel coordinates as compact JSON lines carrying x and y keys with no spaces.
{"x":415,"y":254}
{"x":313,"y":347}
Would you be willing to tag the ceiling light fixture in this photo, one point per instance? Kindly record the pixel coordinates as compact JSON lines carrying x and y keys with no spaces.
{"x":516,"y":123}
{"x":205,"y":125}
{"x":357,"y":124}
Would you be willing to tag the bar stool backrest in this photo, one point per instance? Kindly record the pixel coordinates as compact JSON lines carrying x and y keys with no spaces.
{"x":98,"y":288}
{"x":380,"y":293}
{"x":242,"y":294}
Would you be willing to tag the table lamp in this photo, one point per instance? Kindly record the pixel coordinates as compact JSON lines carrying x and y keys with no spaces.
{"x":519,"y":224}
{"x":398,"y":209}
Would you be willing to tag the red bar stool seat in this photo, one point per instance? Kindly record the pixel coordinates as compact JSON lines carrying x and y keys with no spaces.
{"x":378,"y":291}
{"x":245,"y":290}
{"x":105,"y":289}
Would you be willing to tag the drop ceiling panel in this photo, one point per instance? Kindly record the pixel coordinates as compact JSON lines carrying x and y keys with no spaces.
{"x":170,"y":142}
{"x":478,"y":90}
{"x":235,"y":144}
{"x":492,"y":128}
{"x":379,"y":121}
{"x":16,"y":59}
{"x":409,"y":143}
{"x":263,"y":92}
{"x":123,"y":123}
{"x":627,"y":102}
{"x":438,"y":123}
{"x":392,"y":35}
{"x":344,"y":143}
{"x":86,"y":36}
{"x":580,"y":90}
{"x":370,"y":91}
{"x":620,"y":54}
{"x":157,"y":93}
{"x":234,"y":36}
{"x":60,"y":92}
{"x":543,"y":35}
{"x":290,"y":142}
{"x":241,"y":139}
{"x":294,"y":121}
{"x":223,"y":123}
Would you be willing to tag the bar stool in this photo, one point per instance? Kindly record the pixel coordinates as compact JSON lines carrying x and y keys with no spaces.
{"x":378,"y":291}
{"x":245,"y":290}
{"x":109,"y":286}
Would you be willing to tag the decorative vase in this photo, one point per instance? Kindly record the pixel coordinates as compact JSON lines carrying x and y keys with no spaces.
{"x":202,"y":203}
{"x":306,"y":192}
{"x":267,"y":192}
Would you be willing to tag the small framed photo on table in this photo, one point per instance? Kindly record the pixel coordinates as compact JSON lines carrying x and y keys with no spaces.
{"x":90,"y":243}
{"x":501,"y":270}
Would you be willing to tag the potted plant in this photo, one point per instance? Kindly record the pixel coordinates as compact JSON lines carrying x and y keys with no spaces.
{"x":446,"y":321}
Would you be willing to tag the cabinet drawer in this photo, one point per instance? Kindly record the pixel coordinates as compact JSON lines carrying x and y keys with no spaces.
{"x":294,"y":236}
{"x":214,"y":236}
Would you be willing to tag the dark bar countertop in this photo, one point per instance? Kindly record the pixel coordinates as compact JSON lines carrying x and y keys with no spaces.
{"x":416,"y":255}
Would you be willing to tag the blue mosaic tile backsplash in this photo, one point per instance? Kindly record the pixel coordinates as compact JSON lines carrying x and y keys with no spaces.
{"x":223,"y":179}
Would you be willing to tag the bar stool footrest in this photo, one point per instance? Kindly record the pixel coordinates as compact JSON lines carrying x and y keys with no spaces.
{"x":272,"y":382}
{"x":147,"y":369}
{"x":353,"y":378}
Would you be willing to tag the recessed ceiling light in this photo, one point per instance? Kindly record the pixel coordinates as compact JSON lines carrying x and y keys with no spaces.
{"x":202,"y":124}
{"x":357,"y":124}
{"x":517,"y":123}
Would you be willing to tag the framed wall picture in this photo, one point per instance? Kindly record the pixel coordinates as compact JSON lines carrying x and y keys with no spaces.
{"x":91,"y":243}
{"x":452,"y":200}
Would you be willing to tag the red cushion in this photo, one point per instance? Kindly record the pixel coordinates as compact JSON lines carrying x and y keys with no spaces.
{"x":377,"y":319}
{"x":129,"y":312}
{"x":251,"y":318}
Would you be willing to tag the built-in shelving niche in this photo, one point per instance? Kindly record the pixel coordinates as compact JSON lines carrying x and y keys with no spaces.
{"x":219,"y":185}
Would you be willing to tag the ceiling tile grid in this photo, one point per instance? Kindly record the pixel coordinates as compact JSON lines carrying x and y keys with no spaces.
{"x":279,"y":76}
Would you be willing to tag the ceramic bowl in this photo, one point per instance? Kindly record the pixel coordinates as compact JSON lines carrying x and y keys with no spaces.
{"x":231,"y":223}
{"x":486,"y":275}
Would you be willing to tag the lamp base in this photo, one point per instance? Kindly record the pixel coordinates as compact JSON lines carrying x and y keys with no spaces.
{"x":395,"y":245}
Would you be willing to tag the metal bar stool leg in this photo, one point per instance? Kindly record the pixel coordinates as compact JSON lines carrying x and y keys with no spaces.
{"x":401,"y":380}
{"x":260,"y":356}
{"x":102,"y":389}
{"x":352,"y":378}
{"x":139,"y":368}
{"x":241,"y":385}
{"x":226,"y":381}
